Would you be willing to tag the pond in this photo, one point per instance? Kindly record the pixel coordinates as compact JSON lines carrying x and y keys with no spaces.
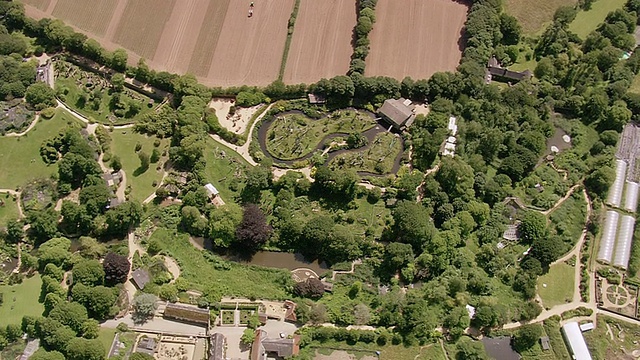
{"x":272,"y":259}
{"x":558,"y":141}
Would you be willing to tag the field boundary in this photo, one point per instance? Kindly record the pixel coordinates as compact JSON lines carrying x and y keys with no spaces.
{"x":287,"y":44}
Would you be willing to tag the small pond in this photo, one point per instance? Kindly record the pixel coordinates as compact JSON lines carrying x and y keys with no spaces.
{"x":558,"y":141}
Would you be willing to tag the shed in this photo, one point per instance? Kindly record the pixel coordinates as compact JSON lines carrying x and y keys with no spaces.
{"x":586,"y":327}
{"x":187,"y":313}
{"x":316,"y":99}
{"x":140,"y":278}
{"x":211,"y":190}
{"x":146,"y":345}
{"x":575,"y":341}
{"x":217,"y":347}
{"x":397,"y":112}
{"x":545,"y":343}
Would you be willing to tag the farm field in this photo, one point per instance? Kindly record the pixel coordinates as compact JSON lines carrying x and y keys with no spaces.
{"x":587,"y":21}
{"x":534,"y":15}
{"x":249,"y":50}
{"x":25,"y":151}
{"x":293,"y":136}
{"x":21,"y":299}
{"x":213,"y":39}
{"x":321,"y":43}
{"x":416,"y":38}
{"x":93,"y":16}
{"x":124,"y":144}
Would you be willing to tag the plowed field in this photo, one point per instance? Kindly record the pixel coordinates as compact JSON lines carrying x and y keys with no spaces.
{"x":416,"y":38}
{"x":321,"y":44}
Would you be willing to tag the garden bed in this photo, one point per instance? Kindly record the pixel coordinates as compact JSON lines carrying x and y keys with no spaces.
{"x":378,"y":158}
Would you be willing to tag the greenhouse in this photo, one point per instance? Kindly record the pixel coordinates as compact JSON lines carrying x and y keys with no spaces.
{"x":623,"y":244}
{"x":615,"y":192}
{"x":605,"y":253}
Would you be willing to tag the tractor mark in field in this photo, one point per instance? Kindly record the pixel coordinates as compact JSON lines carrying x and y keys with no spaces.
{"x":115,"y":19}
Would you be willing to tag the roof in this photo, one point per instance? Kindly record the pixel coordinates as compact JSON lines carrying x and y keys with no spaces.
{"x":624,"y":241}
{"x":211,"y":190}
{"x":587,"y":327}
{"x":282,"y":347}
{"x":605,"y":253}
{"x":290,"y":313}
{"x":140,"y":278}
{"x":316,"y":99}
{"x":187,"y":313}
{"x":511,"y":233}
{"x":575,"y":341}
{"x":615,"y":191}
{"x":500,"y":348}
{"x":545,"y":343}
{"x":397,"y":112}
{"x":328,"y":287}
{"x":146,"y":345}
{"x":217,"y":347}
{"x":471,"y":311}
{"x":509,"y":74}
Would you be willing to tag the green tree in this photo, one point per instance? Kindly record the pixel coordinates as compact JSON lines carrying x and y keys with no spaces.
{"x":84,"y":349}
{"x":116,"y":163}
{"x":456,"y":178}
{"x":40,"y":96}
{"x":144,"y":161}
{"x":119,"y":60}
{"x":88,"y":272}
{"x":144,"y":306}
{"x":55,"y":251}
{"x":533,"y":227}
{"x":598,"y":182}
{"x":71,"y":314}
{"x":223,"y":222}
{"x":117,"y":80}
{"x":42,"y":354}
{"x":248,"y":336}
{"x":526,"y":337}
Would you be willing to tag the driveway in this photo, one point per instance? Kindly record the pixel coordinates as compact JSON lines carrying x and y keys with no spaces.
{"x":235,"y":349}
{"x":159,"y":325}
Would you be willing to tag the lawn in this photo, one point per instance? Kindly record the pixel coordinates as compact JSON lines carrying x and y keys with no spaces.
{"x":534,"y":15}
{"x":225,"y":169}
{"x":560,"y":283}
{"x":124,"y":145}
{"x":245,"y":315}
{"x":568,"y":219}
{"x":587,"y":21}
{"x":22,"y":154}
{"x":378,"y":158}
{"x":92,"y":96}
{"x":228,"y":317}
{"x":21,"y":300}
{"x":552,"y":329}
{"x":106,"y":336}
{"x":293,"y":136}
{"x":388,"y":352}
{"x":216,"y":277}
{"x":8,"y":209}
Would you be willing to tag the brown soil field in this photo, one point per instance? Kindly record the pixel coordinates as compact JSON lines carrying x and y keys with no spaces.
{"x":249,"y":50}
{"x":178,"y":39}
{"x":416,"y":38}
{"x":208,"y":37}
{"x":142,"y":24}
{"x":321,"y":43}
{"x":93,"y":16}
{"x":38,"y":4}
{"x":214,"y":39}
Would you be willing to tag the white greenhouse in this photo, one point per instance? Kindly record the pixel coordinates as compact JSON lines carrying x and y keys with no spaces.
{"x":575,"y":341}
{"x":615,"y":192}
{"x":605,"y":254}
{"x":623,"y":244}
{"x":631,"y":196}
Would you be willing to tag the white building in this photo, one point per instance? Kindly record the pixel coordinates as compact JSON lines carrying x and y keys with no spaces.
{"x":575,"y":341}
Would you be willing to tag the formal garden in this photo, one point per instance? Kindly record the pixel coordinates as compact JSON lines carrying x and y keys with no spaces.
{"x":379,"y":157}
{"x":292,"y":136}
{"x":105,"y":101}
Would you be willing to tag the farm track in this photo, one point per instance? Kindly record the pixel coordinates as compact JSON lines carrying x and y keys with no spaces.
{"x":118,"y":12}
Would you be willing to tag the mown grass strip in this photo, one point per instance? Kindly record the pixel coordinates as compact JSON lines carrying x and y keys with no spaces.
{"x":287,"y":44}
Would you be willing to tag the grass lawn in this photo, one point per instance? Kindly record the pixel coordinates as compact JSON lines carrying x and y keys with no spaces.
{"x":9,"y":210}
{"x":216,"y":277}
{"x":534,"y":15}
{"x":369,"y":215}
{"x":22,"y":154}
{"x":224,"y":169}
{"x":293,"y":136}
{"x":228,"y":317}
{"x":559,"y":281}
{"x":535,"y":352}
{"x":558,"y":347}
{"x":20,"y":300}
{"x":587,"y":21}
{"x":124,"y":145}
{"x":524,"y":65}
{"x":106,"y":338}
{"x":431,"y":351}
{"x":568,"y":219}
{"x":378,"y":158}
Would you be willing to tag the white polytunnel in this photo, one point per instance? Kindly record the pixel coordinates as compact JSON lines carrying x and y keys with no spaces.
{"x":623,"y":244}
{"x":631,"y":196}
{"x":615,"y":192}
{"x":605,"y":254}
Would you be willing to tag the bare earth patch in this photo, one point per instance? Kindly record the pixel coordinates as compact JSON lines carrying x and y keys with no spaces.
{"x":416,"y":38}
{"x":321,"y":43}
{"x":239,"y":121}
{"x":39,"y":4}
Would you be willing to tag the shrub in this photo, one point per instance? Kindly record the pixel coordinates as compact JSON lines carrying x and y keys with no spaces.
{"x":48,"y":113}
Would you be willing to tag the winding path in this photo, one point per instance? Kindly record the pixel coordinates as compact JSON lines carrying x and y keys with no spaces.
{"x":31,"y":126}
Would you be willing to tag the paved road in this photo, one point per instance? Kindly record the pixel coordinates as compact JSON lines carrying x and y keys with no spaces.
{"x":158,"y":325}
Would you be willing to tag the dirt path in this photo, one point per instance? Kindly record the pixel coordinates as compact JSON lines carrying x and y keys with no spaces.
{"x":173,"y":267}
{"x":33,"y":123}
{"x":562,"y":200}
{"x":353,"y":267}
{"x":244,"y":149}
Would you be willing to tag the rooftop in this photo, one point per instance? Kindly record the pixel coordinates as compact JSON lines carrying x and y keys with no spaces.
{"x":217,"y":347}
{"x":187,"y":313}
{"x":398,"y":112}
{"x":575,"y":341}
{"x":140,"y":278}
{"x":211,"y":190}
